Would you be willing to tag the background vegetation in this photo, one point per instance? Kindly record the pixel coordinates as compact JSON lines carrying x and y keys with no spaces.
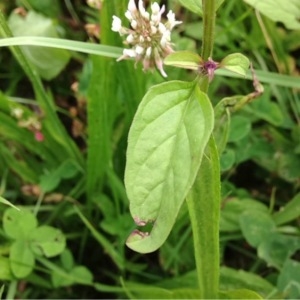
{"x":64,"y":120}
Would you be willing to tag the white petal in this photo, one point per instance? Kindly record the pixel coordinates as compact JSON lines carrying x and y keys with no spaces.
{"x":171,"y":20}
{"x":134,"y":24}
{"x":153,"y":29}
{"x":139,"y":50}
{"x":128,"y":15}
{"x":146,"y":15}
{"x":162,"y":28}
{"x":131,"y":6}
{"x":148,"y":51}
{"x":129,"y":52}
{"x":130,"y":38}
{"x":116,"y":24}
{"x":141,"y":7}
{"x":155,"y":8}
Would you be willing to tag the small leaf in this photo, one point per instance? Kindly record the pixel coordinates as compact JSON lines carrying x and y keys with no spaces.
{"x":49,"y":181}
{"x":231,"y":279}
{"x":239,"y":128}
{"x":66,"y":259}
{"x":78,"y":275}
{"x":227,"y":159}
{"x":277,"y":248}
{"x":165,"y":146}
{"x":18,"y":224}
{"x":288,"y":279}
{"x":48,"y":241}
{"x":21,"y":259}
{"x":289,"y":212}
{"x":183,"y":59}
{"x":236,"y":62}
{"x":5,"y":270}
{"x":256,"y":226}
{"x":229,"y":221}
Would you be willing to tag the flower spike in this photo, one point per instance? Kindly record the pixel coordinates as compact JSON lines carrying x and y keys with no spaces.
{"x":149,"y":38}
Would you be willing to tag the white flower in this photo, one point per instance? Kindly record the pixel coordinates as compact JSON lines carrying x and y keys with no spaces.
{"x":149,"y":35}
{"x":116,"y":24}
{"x":171,"y":20}
{"x":17,"y":112}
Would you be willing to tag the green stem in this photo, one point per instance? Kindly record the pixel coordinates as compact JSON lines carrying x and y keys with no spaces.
{"x":209,"y":16}
{"x":204,"y":198}
{"x":204,"y":209}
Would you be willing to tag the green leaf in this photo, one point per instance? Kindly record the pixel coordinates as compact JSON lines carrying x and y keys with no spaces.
{"x":48,"y":241}
{"x":18,"y":224}
{"x":231,"y":279}
{"x":256,"y":226}
{"x":240,"y":294}
{"x":66,"y":259}
{"x":236,"y":62}
{"x":279,"y":11}
{"x":1,"y":291}
{"x":5,"y":270}
{"x":78,"y":275}
{"x":183,"y":59}
{"x":50,"y":181}
{"x":277,"y":248}
{"x":288,"y":279}
{"x":4,"y":201}
{"x":21,"y":259}
{"x":48,"y":62}
{"x":165,"y":146}
{"x":234,"y":208}
{"x":49,"y":8}
{"x":227,"y":159}
{"x":239,"y":128}
{"x":142,"y":291}
{"x":289,"y":212}
{"x":196,"y":6}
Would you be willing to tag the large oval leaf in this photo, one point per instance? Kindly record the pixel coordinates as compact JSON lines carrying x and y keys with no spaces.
{"x":165,"y":145}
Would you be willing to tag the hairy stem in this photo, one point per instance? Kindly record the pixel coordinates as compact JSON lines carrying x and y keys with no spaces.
{"x":204,"y":209}
{"x":204,"y":198}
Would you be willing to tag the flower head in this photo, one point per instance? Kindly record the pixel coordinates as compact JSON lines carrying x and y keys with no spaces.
{"x":149,"y":38}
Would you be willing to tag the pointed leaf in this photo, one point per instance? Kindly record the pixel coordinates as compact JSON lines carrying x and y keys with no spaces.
{"x":183,"y":59}
{"x":166,"y":142}
{"x":236,"y":62}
